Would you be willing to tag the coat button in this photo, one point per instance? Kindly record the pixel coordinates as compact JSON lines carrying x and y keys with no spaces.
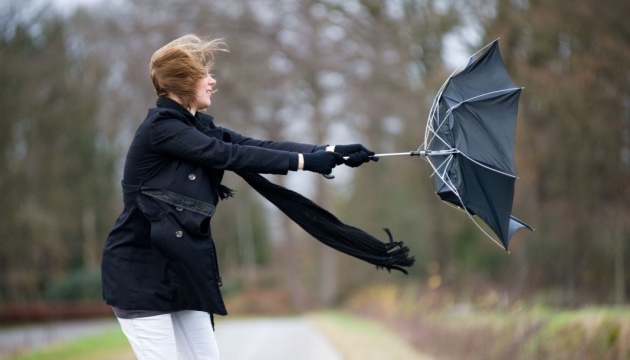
{"x":179,"y":208}
{"x":192,"y":177}
{"x":179,"y":233}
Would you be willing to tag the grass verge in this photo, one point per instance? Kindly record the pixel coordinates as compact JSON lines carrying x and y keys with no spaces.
{"x":108,"y":345}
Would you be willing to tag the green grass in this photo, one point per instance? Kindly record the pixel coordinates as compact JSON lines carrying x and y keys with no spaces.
{"x":593,"y":333}
{"x":108,"y":345}
{"x":361,"y":339}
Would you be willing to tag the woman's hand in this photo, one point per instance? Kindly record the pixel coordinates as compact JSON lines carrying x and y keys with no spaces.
{"x":356,"y":154}
{"x":322,"y":161}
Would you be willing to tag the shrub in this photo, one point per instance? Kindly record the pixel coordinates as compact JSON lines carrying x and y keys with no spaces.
{"x":78,"y":285}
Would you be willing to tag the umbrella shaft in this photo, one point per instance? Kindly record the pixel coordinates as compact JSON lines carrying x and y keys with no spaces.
{"x":411,"y":153}
{"x":408,"y":153}
{"x":416,"y":153}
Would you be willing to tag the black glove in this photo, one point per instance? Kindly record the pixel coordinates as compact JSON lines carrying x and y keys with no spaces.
{"x":357,"y":154}
{"x":346,"y":150}
{"x":357,"y":159}
{"x":322,"y":161}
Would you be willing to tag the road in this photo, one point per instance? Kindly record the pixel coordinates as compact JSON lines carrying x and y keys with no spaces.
{"x":273,"y":338}
{"x":239,"y":339}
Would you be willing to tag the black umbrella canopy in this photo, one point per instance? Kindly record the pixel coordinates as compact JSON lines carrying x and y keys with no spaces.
{"x":474,"y":117}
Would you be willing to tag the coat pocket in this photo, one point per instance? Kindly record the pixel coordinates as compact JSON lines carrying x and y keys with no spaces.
{"x":191,"y":214}
{"x":175,"y":217}
{"x":190,"y":221}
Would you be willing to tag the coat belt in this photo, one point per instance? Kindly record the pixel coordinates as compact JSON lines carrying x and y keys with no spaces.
{"x":172,"y":198}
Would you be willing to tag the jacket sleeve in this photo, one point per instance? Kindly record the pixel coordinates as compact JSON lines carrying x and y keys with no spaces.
{"x":237,"y":138}
{"x":173,"y":137}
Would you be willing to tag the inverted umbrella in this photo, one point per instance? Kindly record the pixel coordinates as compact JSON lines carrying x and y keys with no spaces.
{"x":469,"y":142}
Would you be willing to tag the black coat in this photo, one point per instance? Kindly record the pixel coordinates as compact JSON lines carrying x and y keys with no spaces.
{"x":160,"y":254}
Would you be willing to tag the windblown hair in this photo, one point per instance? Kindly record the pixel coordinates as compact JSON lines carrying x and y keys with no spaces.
{"x":177,"y":66}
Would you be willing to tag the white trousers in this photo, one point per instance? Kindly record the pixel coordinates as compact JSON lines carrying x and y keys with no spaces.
{"x":184,"y":335}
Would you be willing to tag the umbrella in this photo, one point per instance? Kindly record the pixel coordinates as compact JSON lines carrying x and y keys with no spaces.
{"x":469,"y":142}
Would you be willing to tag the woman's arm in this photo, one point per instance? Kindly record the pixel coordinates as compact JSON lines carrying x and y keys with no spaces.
{"x":173,"y":137}
{"x":239,"y":139}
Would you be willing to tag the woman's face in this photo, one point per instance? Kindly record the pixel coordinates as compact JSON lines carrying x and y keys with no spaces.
{"x":203,"y":89}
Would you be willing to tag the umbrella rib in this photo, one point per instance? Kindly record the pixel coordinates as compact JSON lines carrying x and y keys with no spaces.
{"x":433,"y":111}
{"x":448,"y":112}
{"x":435,"y":135}
{"x":436,"y":170}
{"x":432,"y":130}
{"x":446,"y":179}
{"x":487,"y":167}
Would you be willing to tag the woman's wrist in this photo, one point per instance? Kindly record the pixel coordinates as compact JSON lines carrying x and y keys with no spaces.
{"x":300,"y":161}
{"x":330,"y":148}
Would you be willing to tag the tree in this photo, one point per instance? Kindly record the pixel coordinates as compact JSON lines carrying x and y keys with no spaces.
{"x":56,"y":171}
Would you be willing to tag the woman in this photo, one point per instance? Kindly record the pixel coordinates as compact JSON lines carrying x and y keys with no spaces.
{"x":159,"y":267}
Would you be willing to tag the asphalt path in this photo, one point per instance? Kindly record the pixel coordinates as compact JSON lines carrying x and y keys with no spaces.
{"x":273,"y":338}
{"x":287,"y":338}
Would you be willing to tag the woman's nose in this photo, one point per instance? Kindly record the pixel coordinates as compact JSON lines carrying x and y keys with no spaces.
{"x":212,"y":81}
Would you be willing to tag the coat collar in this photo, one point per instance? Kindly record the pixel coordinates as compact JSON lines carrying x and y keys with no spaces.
{"x":199,"y":119}
{"x":165,"y":102}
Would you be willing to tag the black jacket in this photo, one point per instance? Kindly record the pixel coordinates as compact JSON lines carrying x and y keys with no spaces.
{"x":160,"y":254}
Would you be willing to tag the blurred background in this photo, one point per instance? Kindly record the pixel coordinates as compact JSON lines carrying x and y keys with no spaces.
{"x":74,"y":85}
